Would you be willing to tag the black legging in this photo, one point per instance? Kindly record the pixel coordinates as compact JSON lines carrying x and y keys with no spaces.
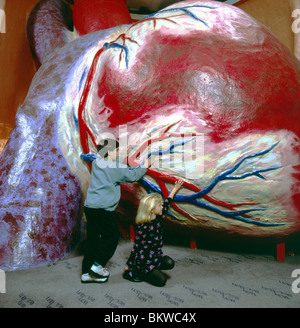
{"x":157,"y":278}
{"x":102,"y":237}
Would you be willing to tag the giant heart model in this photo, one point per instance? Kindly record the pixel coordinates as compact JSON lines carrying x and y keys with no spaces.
{"x":205,"y":89}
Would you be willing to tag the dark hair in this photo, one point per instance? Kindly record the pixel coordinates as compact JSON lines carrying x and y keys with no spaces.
{"x":106,"y":145}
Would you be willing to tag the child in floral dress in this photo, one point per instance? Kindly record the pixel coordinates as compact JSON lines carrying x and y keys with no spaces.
{"x":147,"y":259}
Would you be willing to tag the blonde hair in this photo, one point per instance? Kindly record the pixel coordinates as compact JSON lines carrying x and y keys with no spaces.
{"x":147,"y":204}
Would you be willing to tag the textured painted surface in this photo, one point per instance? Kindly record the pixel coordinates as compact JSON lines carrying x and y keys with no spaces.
{"x":94,"y":15}
{"x":197,"y":68}
{"x":51,"y":19}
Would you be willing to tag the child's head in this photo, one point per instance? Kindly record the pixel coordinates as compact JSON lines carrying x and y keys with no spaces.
{"x":150,"y":206}
{"x":108,"y":147}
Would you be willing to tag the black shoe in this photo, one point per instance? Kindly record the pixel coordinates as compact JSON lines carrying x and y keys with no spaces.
{"x":128,"y":274}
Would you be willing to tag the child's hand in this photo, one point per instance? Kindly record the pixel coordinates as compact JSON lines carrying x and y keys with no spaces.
{"x":178,"y":184}
{"x":126,"y":268}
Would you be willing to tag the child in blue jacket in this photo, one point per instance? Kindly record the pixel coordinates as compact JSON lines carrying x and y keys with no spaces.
{"x":103,"y":196}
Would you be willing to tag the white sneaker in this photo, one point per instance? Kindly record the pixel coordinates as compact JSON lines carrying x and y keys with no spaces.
{"x":86,"y":278}
{"x":99,"y":271}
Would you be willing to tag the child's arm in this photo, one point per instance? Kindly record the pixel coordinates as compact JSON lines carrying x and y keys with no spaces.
{"x":168,"y":201}
{"x":129,"y":174}
{"x":178,"y":185}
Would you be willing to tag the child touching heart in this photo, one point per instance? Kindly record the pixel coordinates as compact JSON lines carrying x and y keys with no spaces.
{"x":147,"y":259}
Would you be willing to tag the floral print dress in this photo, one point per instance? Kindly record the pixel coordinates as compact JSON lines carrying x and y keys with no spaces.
{"x":146,"y":253}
